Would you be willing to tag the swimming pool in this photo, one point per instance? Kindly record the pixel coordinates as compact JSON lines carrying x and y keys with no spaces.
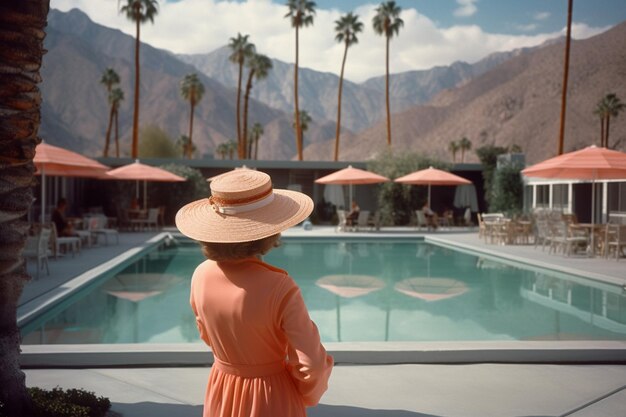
{"x":356,"y":290}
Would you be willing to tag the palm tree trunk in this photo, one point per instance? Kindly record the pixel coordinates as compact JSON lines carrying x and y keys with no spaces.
{"x":343,"y":65}
{"x":240,"y":151}
{"x":107,"y":139}
{"x":601,"y":143}
{"x":387,"y":94}
{"x":606,"y":132}
{"x":297,"y":114}
{"x":21,"y":32}
{"x":117,"y":134}
{"x":568,"y":39}
{"x":246,"y":99}
{"x":135,"y":144}
{"x":190,"y":144}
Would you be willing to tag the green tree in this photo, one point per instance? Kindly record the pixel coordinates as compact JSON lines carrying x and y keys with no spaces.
{"x":304,"y":120}
{"x":609,"y":106}
{"x":300,"y":14}
{"x":109,"y":79}
{"x":453,"y":147}
{"x":192,"y":90}
{"x":232,"y":148}
{"x":185,"y":147}
{"x":387,"y":23}
{"x":488,"y":156}
{"x":154,"y":142}
{"x":22,"y":24}
{"x":138,"y":11}
{"x":464,"y":145}
{"x":259,"y":66}
{"x":222,"y":150}
{"x":346,"y":28}
{"x":173,"y":197}
{"x":241,"y":51}
{"x":115,"y":98}
{"x":257,"y":132}
{"x":508,"y":189}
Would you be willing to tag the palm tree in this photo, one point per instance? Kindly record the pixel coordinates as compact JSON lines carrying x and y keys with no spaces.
{"x":232,"y":147}
{"x":453,"y":147}
{"x":115,"y":98}
{"x":613,"y":106}
{"x":568,"y":40}
{"x":138,"y":11}
{"x":22,"y":26}
{"x":257,"y":132}
{"x":304,"y":120}
{"x":259,"y":66}
{"x":109,"y":79}
{"x":185,"y":145}
{"x":387,"y":22}
{"x":300,"y":14}
{"x":346,"y":27}
{"x":601,"y":111}
{"x":192,"y":90}
{"x":241,"y":50}
{"x":222,"y":150}
{"x":464,"y":145}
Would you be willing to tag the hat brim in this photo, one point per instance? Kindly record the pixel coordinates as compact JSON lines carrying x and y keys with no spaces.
{"x":199,"y":221}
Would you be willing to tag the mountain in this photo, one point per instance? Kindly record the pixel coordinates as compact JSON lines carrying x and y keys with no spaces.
{"x":362,"y":104}
{"x":75,"y":108}
{"x":516,"y":102}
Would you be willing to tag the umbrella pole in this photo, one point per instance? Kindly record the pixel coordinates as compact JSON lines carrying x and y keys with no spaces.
{"x":428,"y":195}
{"x":145,"y":194}
{"x":350,"y":202}
{"x":43,"y":195}
{"x":593,"y":220}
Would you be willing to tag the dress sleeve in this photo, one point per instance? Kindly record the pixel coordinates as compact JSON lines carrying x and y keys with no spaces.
{"x":201,"y":329}
{"x":309,"y":364}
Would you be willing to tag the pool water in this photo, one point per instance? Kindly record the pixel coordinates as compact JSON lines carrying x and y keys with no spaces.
{"x":377,"y":290}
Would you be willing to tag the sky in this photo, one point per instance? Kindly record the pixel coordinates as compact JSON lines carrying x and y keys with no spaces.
{"x":435,"y":32}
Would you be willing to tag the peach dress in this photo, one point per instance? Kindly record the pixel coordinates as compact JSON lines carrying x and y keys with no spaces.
{"x":269,"y":361}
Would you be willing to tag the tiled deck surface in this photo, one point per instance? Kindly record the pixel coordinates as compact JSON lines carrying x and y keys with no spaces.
{"x":404,"y":390}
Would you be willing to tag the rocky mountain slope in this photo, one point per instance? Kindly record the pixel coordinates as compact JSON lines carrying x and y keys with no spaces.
{"x":517,"y":102}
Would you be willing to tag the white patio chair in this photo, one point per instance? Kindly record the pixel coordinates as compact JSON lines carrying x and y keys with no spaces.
{"x":342,"y":225}
{"x":361,"y":221}
{"x":151,"y":220}
{"x":69,"y":243}
{"x":421,"y":220}
{"x":97,"y":226}
{"x":37,"y":248}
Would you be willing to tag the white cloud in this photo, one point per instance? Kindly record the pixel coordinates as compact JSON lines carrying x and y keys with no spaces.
{"x":200,"y":26}
{"x":541,"y":15}
{"x":527,"y":28}
{"x":466,"y":8}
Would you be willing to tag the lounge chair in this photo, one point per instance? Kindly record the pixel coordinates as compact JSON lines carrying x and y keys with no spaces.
{"x":361,"y":221}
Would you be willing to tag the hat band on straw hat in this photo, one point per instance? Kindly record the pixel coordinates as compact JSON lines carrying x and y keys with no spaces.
{"x":241,"y":205}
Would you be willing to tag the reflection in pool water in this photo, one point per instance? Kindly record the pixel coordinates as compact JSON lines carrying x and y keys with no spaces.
{"x":379,"y":290}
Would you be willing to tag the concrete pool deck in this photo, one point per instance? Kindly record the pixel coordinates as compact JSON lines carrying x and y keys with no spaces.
{"x":356,"y":389}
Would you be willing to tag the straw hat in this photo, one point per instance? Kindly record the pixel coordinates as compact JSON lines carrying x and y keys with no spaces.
{"x":242,"y":207}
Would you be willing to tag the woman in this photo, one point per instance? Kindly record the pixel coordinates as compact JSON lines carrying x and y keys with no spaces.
{"x":269,"y":361}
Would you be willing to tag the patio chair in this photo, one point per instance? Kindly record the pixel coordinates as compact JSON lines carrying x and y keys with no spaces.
{"x":151,"y":220}
{"x":342,"y":225}
{"x":57,"y":243}
{"x":361,"y":221}
{"x":421,"y":220}
{"x":568,"y":240}
{"x":374,"y":223}
{"x":37,"y":248}
{"x":615,"y":240}
{"x":97,"y":227}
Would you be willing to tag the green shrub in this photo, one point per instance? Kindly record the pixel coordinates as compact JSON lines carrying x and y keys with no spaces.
{"x":66,"y":403}
{"x":508,"y":190}
{"x":488,"y":156}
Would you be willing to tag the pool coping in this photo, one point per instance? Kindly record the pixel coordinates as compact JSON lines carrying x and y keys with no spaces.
{"x":376,"y":353}
{"x":345,"y":353}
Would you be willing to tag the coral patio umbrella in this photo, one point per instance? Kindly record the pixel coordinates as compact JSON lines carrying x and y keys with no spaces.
{"x":141,"y":172}
{"x":55,"y":161}
{"x":432,"y":176}
{"x":591,"y":163}
{"x":350,"y":176}
{"x":431,"y":289}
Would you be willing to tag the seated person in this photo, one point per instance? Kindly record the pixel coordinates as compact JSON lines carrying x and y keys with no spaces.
{"x":64,"y":227}
{"x":431,"y":217}
{"x":353,"y":215}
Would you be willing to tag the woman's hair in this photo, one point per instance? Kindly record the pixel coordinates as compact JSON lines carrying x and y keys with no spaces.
{"x":235,"y":251}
